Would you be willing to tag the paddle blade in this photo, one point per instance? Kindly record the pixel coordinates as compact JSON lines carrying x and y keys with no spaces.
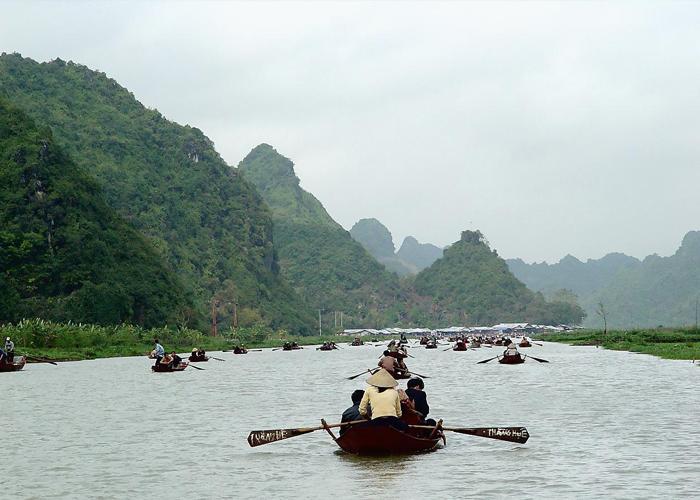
{"x":258,"y":438}
{"x":537,"y":359}
{"x":486,"y":360}
{"x":512,"y":434}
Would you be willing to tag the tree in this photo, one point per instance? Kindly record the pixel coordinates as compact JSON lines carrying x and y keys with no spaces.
{"x":600,"y":311}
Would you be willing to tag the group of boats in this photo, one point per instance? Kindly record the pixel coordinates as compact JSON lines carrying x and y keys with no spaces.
{"x":364,"y":437}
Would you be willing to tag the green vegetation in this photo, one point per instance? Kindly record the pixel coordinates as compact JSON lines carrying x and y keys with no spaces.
{"x":664,"y":343}
{"x":76,"y":341}
{"x":318,"y":257}
{"x":471,"y":284}
{"x":168,"y":182}
{"x":418,"y":255}
{"x":64,"y":254}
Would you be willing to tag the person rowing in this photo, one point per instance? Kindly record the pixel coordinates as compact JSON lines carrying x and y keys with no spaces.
{"x":383,"y":399}
{"x":158,"y":352}
{"x":389,"y":363}
{"x":511,"y":348}
{"x":198,"y":355}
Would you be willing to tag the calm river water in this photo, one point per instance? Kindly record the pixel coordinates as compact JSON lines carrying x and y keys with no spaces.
{"x":602,"y":424}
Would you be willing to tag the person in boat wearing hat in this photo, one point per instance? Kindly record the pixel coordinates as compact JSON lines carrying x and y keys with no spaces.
{"x":352,"y":413}
{"x":9,"y":350}
{"x":382,"y":399}
{"x":511,"y":348}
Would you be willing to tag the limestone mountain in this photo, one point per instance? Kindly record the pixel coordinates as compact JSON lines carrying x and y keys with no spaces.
{"x":377,"y":240}
{"x":318,"y":257}
{"x":471,"y":284}
{"x":418,"y":255}
{"x":64,"y":254}
{"x":168,"y":182}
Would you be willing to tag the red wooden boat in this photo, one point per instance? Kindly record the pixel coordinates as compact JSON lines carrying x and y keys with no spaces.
{"x":511,"y":360}
{"x":240,"y":350}
{"x":198,"y":359}
{"x":431,"y":345}
{"x":460,"y":346}
{"x":525,"y":343}
{"x":363,"y":439}
{"x":168,"y":368}
{"x":16,"y":365}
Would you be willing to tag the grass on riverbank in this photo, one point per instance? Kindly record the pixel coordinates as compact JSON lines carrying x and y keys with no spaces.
{"x":662,"y":342}
{"x":72,"y":341}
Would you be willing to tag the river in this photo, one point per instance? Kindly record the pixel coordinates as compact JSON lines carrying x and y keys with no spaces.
{"x":602,"y":424}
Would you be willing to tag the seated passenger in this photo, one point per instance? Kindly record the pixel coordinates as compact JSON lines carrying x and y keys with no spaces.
{"x":175,"y":360}
{"x":420,"y":400}
{"x":389,"y":363}
{"x":352,"y":413}
{"x":383,"y":399}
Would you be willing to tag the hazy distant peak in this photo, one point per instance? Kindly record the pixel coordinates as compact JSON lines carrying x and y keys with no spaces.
{"x":569,"y":259}
{"x":374,"y":236}
{"x":690,"y":244}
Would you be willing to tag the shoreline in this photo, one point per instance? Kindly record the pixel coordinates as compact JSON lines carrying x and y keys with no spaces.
{"x":665,"y":343}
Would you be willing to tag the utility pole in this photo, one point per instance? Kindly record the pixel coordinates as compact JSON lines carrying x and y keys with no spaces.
{"x":214,"y":304}
{"x":319,"y":322}
{"x":235,"y":314}
{"x":696,"y":314}
{"x":341,"y":320}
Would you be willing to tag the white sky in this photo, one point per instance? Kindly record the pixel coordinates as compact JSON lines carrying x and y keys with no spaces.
{"x":553,"y":128}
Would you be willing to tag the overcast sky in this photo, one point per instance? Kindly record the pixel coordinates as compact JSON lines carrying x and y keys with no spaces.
{"x":553,"y":128}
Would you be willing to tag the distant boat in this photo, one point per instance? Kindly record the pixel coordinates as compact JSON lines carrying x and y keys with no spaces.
{"x":15,"y":366}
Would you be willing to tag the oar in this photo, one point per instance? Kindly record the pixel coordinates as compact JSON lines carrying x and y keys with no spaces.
{"x":537,"y":344}
{"x":362,"y":373}
{"x":278,"y":348}
{"x":255,"y":350}
{"x":195,"y":367}
{"x":536,"y":359}
{"x":257,"y":438}
{"x":218,"y":359}
{"x":41,"y":360}
{"x":414,"y":373}
{"x":447,"y":349}
{"x":512,"y":434}
{"x":487,"y":360}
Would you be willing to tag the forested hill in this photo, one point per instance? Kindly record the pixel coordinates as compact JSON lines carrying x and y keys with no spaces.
{"x":471,"y":284}
{"x":648,"y":293}
{"x":64,"y":254}
{"x":168,"y":181}
{"x":570,"y":273}
{"x":321,"y":260}
{"x":377,"y":240}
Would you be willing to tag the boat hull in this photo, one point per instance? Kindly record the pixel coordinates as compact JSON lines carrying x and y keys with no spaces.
{"x":15,"y":366}
{"x":168,"y":369}
{"x":511,"y":360}
{"x":366,"y":439}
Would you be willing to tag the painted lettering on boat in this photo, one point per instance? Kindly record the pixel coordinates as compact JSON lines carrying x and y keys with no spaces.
{"x":508,"y":432}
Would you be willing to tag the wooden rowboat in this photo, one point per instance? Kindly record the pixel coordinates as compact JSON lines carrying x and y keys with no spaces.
{"x":198,"y":360}
{"x":365,"y":439}
{"x":168,"y":368}
{"x":460,"y":346}
{"x":511,"y":360}
{"x":431,"y":345}
{"x":525,"y":343}
{"x":16,"y":365}
{"x":240,"y":350}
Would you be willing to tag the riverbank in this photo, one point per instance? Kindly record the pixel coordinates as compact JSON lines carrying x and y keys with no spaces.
{"x":75,"y":342}
{"x":665,"y":343}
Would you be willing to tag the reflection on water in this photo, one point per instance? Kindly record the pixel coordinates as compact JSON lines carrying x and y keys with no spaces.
{"x":602,"y":423}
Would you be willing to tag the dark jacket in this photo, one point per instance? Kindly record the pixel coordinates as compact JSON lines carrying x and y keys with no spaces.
{"x":420,"y":400}
{"x":352,"y":413}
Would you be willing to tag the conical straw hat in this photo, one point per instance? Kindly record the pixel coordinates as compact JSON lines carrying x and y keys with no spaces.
{"x":382,"y":378}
